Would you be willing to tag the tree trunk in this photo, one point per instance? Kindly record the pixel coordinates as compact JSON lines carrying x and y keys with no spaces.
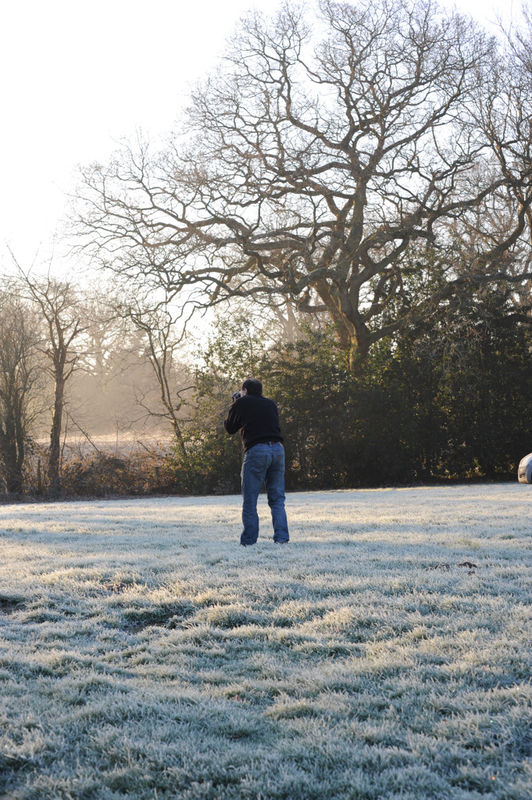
{"x":12,"y":451}
{"x":358,"y":351}
{"x":55,"y":437}
{"x":179,"y":437}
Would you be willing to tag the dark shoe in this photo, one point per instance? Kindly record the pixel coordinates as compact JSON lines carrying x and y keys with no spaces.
{"x":281,"y":541}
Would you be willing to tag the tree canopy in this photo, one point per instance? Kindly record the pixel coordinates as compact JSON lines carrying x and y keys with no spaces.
{"x":369,"y":161}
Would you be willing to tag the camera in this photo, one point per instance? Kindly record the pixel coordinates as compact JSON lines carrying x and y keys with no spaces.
{"x":236,"y":395}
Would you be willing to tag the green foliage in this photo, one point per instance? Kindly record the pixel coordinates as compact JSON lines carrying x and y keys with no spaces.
{"x":485,"y":388}
{"x":212,"y":465}
{"x":443,"y":402}
{"x":310,"y":382}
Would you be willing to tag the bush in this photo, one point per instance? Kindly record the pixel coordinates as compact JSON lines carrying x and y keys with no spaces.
{"x":102,"y":474}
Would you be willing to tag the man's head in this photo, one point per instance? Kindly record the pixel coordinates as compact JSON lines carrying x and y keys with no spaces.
{"x":252,"y":386}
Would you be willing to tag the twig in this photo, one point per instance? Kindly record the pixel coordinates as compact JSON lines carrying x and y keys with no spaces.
{"x":85,"y":434}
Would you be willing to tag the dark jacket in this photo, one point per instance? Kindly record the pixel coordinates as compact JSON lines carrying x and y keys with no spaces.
{"x":257,"y":419}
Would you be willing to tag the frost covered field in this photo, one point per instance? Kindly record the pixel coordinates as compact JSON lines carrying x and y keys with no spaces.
{"x":145,"y":654}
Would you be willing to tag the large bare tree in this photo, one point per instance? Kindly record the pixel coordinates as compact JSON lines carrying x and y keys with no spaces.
{"x":333,"y":161}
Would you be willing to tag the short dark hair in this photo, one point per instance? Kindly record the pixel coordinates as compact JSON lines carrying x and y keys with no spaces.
{"x":252,"y":386}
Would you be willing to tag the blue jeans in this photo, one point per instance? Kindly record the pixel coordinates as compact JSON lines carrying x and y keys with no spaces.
{"x":263,"y":463}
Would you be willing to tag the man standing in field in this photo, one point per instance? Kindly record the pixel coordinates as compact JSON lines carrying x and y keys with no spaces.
{"x":257,"y":418}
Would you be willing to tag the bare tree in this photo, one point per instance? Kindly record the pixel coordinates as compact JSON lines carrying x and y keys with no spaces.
{"x":20,"y":380}
{"x":59,"y":304}
{"x":326,"y":164}
{"x":161,"y":342}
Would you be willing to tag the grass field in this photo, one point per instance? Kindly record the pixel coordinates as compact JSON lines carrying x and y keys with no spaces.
{"x":382,"y":654}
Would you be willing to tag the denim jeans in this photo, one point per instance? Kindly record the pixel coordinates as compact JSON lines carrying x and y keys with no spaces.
{"x":263,"y":463}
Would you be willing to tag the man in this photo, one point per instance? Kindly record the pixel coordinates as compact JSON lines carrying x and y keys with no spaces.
{"x":258,"y":420}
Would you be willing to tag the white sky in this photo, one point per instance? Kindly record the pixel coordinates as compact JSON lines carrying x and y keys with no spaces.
{"x":76,"y":77}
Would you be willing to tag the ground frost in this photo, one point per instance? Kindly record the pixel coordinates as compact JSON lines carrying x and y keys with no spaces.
{"x":381,"y":655}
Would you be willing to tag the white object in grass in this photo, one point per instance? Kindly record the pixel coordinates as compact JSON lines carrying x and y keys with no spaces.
{"x":524,"y":471}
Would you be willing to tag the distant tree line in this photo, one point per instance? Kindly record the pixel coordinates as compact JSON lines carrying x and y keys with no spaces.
{"x":78,"y":369}
{"x":445,"y":401}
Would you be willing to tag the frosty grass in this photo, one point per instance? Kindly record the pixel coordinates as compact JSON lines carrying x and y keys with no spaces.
{"x":145,"y":654}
